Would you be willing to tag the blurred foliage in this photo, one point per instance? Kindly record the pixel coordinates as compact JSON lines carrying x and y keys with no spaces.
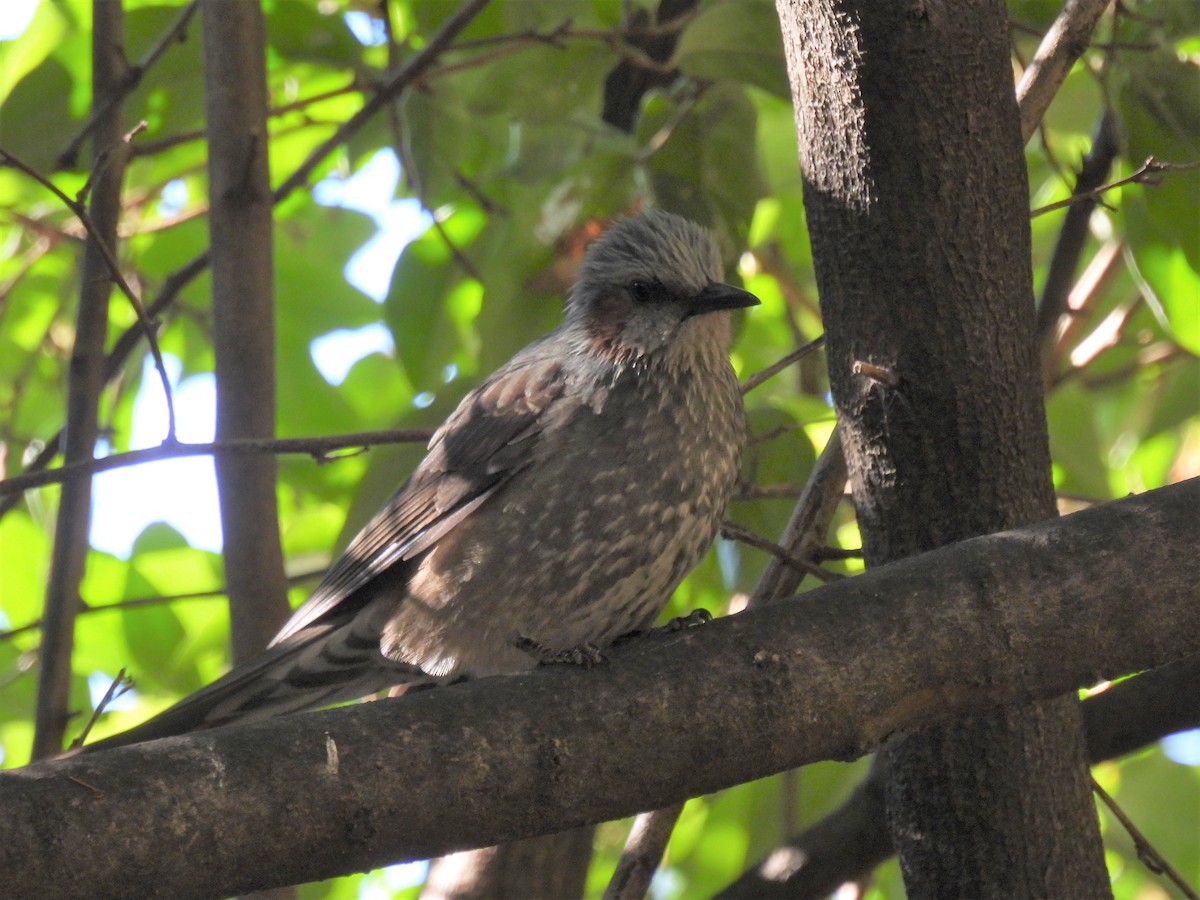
{"x":503,"y":142}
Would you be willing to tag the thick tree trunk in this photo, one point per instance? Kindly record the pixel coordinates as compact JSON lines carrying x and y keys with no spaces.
{"x":916,"y":197}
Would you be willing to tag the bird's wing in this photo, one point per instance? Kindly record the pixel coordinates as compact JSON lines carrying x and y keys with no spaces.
{"x":484,"y":442}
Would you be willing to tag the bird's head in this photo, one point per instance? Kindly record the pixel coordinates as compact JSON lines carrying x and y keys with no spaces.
{"x":651,"y":284}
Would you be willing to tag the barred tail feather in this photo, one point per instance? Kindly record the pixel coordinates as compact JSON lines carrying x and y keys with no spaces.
{"x":306,"y":672}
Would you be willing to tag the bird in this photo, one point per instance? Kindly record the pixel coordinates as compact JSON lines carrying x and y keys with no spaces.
{"x":555,"y":511}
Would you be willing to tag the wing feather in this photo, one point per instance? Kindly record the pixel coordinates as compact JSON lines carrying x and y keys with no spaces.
{"x":489,"y":438}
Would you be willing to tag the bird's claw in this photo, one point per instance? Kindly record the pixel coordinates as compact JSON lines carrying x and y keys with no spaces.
{"x":585,"y":655}
{"x":698,"y":616}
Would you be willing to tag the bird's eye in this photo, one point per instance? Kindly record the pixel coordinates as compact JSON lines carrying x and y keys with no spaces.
{"x":642,"y":291}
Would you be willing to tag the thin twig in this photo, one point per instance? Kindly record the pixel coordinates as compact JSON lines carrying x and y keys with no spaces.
{"x":776,"y":367}
{"x":1068,"y":248}
{"x":395,"y":84}
{"x":1143,"y":175}
{"x":133,"y":77}
{"x":1147,"y":854}
{"x":805,"y":532}
{"x":122,"y":682}
{"x":554,"y":36}
{"x":319,"y":448}
{"x":79,"y":209}
{"x":160,"y":600}
{"x":734,"y":532}
{"x":767,"y":491}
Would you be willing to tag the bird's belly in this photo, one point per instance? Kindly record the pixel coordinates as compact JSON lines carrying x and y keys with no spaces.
{"x":561,"y":558}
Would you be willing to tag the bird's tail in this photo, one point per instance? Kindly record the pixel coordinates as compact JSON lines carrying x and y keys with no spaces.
{"x":308,"y":671}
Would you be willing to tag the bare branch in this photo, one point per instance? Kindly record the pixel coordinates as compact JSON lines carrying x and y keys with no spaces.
{"x":1150,"y":857}
{"x":643,"y":850}
{"x":319,"y":448}
{"x":1064,"y":43}
{"x":1144,"y":174}
{"x":826,"y":676}
{"x":396,"y":83}
{"x":776,"y":367}
{"x":176,"y":33}
{"x":84,"y":386}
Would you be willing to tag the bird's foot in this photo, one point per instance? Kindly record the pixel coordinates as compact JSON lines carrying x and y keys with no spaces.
{"x":698,"y":616}
{"x":586,"y":654}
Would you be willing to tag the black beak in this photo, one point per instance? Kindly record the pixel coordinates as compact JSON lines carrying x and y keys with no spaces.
{"x":720,"y":296}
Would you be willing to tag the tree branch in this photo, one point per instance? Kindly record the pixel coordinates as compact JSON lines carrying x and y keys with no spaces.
{"x":176,"y":33}
{"x":319,"y":448}
{"x":186,"y":273}
{"x":1064,"y":43}
{"x":852,"y":840}
{"x":1068,"y":249}
{"x":84,"y":386}
{"x":1023,"y":614}
{"x":243,"y":321}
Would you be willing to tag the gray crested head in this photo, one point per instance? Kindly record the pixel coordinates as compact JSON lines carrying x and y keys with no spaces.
{"x":651,"y":283}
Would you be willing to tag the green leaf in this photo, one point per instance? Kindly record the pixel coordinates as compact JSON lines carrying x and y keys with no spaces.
{"x":37,"y":119}
{"x":426,"y":335}
{"x":1160,"y":112}
{"x":45,"y":32}
{"x":1172,"y":286}
{"x":1075,"y":445}
{"x":737,"y":41}
{"x":707,"y":169}
{"x":299,"y":32}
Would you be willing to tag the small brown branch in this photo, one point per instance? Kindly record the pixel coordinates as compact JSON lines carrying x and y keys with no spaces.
{"x":176,"y":33}
{"x":77,"y":207}
{"x":805,"y":532}
{"x":682,"y":110}
{"x":318,"y":448}
{"x":85,"y":384}
{"x":160,"y":600}
{"x":776,"y":367}
{"x":187,"y":273}
{"x":767,"y":491}
{"x":556,"y":35}
{"x":392,"y":87}
{"x":1064,"y":43}
{"x":1081,"y":298}
{"x":119,"y":686}
{"x":480,"y":59}
{"x":734,"y":532}
{"x":643,"y":850}
{"x":306,"y":102}
{"x":1149,"y":856}
{"x":1145,"y":174}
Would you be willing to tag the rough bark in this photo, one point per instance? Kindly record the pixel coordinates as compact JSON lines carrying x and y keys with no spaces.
{"x":84,"y":386}
{"x":916,"y":198}
{"x":243,"y":314}
{"x":828,"y":675}
{"x":852,"y":840}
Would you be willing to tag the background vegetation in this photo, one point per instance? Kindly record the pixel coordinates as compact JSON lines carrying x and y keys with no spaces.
{"x":511,"y":141}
